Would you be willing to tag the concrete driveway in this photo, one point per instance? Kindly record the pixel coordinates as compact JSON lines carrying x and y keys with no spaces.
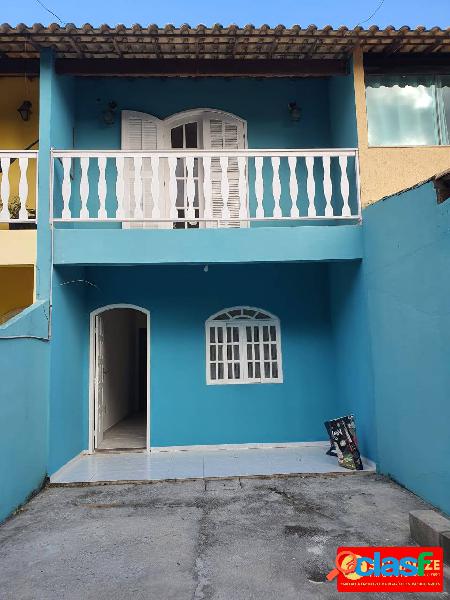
{"x":235,"y":539}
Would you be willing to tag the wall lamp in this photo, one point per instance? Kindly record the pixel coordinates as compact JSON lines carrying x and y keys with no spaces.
{"x":24,"y":110}
{"x":109,"y":114}
{"x":294,"y":111}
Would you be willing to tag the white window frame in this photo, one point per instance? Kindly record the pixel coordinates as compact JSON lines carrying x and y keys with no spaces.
{"x":241,"y":322}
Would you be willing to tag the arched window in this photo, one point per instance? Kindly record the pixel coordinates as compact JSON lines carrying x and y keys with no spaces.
{"x":243,"y":345}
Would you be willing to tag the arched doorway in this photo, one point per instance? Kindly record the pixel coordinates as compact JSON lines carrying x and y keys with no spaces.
{"x":119,"y":378}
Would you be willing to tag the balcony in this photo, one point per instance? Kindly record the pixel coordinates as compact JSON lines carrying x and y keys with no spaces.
{"x":18,"y":187}
{"x":205,"y":189}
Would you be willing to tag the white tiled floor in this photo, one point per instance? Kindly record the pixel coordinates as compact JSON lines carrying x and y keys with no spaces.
{"x":197,"y":463}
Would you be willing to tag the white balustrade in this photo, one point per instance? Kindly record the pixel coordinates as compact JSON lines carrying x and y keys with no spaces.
{"x":18,"y":186}
{"x":199,"y":188}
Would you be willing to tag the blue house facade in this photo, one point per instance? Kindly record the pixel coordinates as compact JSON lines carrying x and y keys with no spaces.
{"x":202,"y":264}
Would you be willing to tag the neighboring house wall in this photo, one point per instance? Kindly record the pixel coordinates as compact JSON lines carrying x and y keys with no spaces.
{"x":407,"y":275}
{"x":386,"y":171}
{"x":24,"y":376}
{"x":16,"y":285}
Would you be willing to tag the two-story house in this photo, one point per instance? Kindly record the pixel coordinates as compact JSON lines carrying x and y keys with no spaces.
{"x":200,"y":228}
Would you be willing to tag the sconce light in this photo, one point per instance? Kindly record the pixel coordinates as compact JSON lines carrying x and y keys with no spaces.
{"x":109,"y":114}
{"x":294,"y":111}
{"x":24,"y":110}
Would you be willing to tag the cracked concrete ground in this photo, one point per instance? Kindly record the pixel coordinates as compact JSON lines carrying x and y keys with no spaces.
{"x":236,"y":539}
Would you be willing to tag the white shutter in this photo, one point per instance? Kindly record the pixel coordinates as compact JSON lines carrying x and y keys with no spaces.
{"x":141,"y":131}
{"x":222,"y":132}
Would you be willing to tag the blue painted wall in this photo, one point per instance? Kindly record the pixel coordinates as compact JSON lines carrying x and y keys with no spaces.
{"x":407,"y":257}
{"x":69,"y":355}
{"x":180,"y":299}
{"x":24,"y":376}
{"x":353,"y":360}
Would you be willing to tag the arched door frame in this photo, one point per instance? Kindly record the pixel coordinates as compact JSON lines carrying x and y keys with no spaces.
{"x":93,"y":314}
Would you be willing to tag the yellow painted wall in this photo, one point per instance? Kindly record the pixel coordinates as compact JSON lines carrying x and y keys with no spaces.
{"x":16,"y":289}
{"x":16,"y":134}
{"x":18,"y":247}
{"x":387,"y":171}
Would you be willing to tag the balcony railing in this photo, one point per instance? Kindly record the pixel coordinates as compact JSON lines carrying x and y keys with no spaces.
{"x":195,"y":188}
{"x":18,"y":186}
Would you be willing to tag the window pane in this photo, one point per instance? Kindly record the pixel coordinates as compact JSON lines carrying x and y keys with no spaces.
{"x":220,"y":334}
{"x":213,"y":371}
{"x":273,"y":333}
{"x":249,"y":351}
{"x":212,"y":353}
{"x":275,"y":370}
{"x":230,"y":371}
{"x":266,"y":351}
{"x":267,"y":370}
{"x":191,"y":135}
{"x":273,"y":352}
{"x":265,"y":333}
{"x":176,"y":136}
{"x":236,"y":352}
{"x":220,"y":371}
{"x":220,"y":352}
{"x":212,"y":334}
{"x":228,"y":334}
{"x":235,"y":312}
{"x":249,"y":334}
{"x":229,"y":357}
{"x":401,"y":111}
{"x":257,"y":371}
{"x":250,"y":370}
{"x":235,"y":334}
{"x":257,"y":354}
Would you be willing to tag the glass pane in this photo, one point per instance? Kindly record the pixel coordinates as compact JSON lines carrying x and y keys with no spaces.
{"x":228,"y":334}
{"x":273,"y":333}
{"x":237,"y":371}
{"x":230,"y":371}
{"x":257,"y":356}
{"x":212,"y":334}
{"x":250,"y":370}
{"x":191,"y":135}
{"x":267,"y":370}
{"x":229,"y":350}
{"x":275,"y":370}
{"x":213,"y":371}
{"x":236,"y":352}
{"x":220,"y":334}
{"x":222,"y":317}
{"x":248,"y":312}
{"x":266,"y":351}
{"x":212,"y":353}
{"x":220,"y":371}
{"x":249,"y":351}
{"x":256,"y":334}
{"x":249,"y":334}
{"x":235,"y":334}
{"x":180,"y":170}
{"x":262,"y":315}
{"x":220,"y":353}
{"x":235,"y":312}
{"x":265,"y":333}
{"x":176,"y":136}
{"x":258,"y":371}
{"x":401,"y":111}
{"x":273,"y":352}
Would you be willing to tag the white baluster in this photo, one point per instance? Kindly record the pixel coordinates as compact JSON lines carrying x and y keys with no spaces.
{"x":156,"y":211}
{"x":259,"y":187}
{"x":327,"y":186}
{"x":66,"y":187}
{"x":120,"y":186}
{"x":4,"y":188}
{"x":23,"y":188}
{"x":84,"y":187}
{"x":190,"y":187}
{"x":311,"y":186}
{"x":276,"y":186}
{"x":293,"y":186}
{"x":207,"y":187}
{"x":138,"y":210}
{"x":225,"y":187}
{"x":102,"y":187}
{"x":242,"y":161}
{"x":173,"y":187}
{"x":345,"y":188}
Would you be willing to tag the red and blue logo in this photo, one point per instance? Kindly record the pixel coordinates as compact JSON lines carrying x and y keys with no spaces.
{"x":388,"y":569}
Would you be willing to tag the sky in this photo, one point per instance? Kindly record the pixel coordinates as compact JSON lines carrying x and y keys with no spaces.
{"x":241,"y":12}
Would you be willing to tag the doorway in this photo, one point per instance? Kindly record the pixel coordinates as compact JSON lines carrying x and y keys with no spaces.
{"x":119,"y":398}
